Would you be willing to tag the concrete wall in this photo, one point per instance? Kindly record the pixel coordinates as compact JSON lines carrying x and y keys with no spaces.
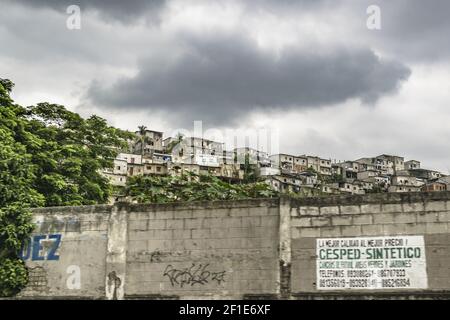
{"x":423,"y":214}
{"x":203,"y":250}
{"x":68,"y":241}
{"x":263,"y":248}
{"x":198,"y":250}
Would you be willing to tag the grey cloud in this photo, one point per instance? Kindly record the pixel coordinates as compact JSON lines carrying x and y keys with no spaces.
{"x":283,"y":4}
{"x":225,"y":77}
{"x":41,"y":37}
{"x":126,"y":11}
{"x":415,"y":30}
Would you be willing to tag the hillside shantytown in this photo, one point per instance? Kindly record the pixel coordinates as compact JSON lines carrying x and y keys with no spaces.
{"x":303,"y":175}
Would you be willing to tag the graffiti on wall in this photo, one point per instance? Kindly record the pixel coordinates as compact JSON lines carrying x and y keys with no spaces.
{"x":114,"y":283}
{"x":42,"y":247}
{"x":195,"y":274}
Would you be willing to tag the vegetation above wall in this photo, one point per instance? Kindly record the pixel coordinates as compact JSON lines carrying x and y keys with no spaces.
{"x":192,"y":187}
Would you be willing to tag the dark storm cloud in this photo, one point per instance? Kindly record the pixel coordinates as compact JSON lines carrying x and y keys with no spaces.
{"x":122,"y":10}
{"x":224,"y":77}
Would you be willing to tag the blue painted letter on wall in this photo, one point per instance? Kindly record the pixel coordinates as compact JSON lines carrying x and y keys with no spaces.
{"x":38,"y":251}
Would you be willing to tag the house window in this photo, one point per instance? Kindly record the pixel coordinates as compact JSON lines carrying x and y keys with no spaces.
{"x":158,"y":169}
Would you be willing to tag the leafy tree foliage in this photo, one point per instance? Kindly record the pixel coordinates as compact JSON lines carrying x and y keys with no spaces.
{"x":69,"y":153}
{"x":48,"y":156}
{"x":192,"y":187}
{"x":334,"y":178}
{"x":178,"y":139}
{"x":17,"y":174}
{"x":142,"y":138}
{"x":250,"y":175}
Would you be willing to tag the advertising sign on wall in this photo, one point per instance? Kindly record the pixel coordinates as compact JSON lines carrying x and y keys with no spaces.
{"x":385,"y":263}
{"x":207,"y":160}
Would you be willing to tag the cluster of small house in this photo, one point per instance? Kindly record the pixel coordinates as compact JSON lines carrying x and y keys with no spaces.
{"x":383,"y":173}
{"x":153,"y":155}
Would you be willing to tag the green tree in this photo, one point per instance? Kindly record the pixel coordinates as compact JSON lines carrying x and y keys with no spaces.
{"x":70,"y":152}
{"x":17,"y":173}
{"x":49,"y":156}
{"x":178,"y":139}
{"x":334,"y":178}
{"x":250,"y":174}
{"x":143,"y":139}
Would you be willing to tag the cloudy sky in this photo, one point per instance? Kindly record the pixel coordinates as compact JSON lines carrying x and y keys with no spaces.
{"x":311,"y":69}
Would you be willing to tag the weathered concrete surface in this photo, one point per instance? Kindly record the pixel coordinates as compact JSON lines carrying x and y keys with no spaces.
{"x":425,"y":214}
{"x":68,"y":240}
{"x":211,"y":249}
{"x":262,"y":248}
